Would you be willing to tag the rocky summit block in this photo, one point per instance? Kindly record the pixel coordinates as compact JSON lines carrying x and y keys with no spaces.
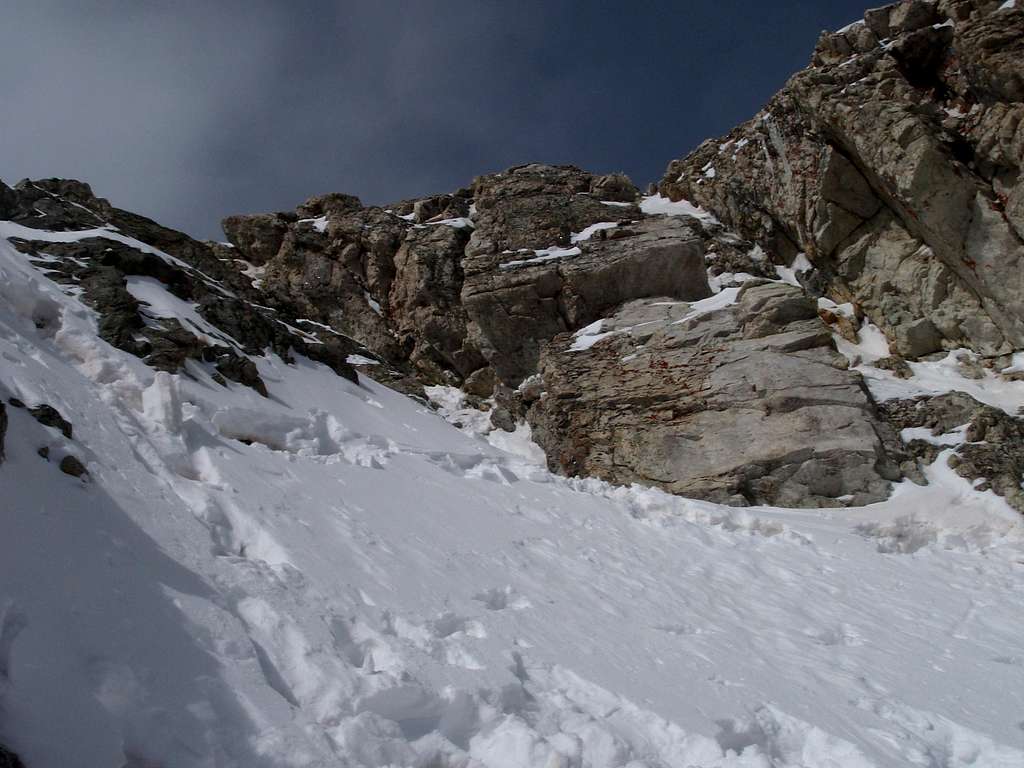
{"x":746,"y":404}
{"x":894,"y":162}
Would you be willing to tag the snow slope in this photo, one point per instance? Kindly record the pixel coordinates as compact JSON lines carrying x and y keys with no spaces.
{"x":336,"y":576}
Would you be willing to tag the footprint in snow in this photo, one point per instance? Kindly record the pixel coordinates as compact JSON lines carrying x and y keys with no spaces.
{"x":500,"y":599}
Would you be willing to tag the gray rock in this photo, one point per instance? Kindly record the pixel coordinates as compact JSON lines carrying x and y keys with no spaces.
{"x":501,"y":418}
{"x":537,"y":206}
{"x":257,"y":237}
{"x":614,"y":187}
{"x":517,"y":301}
{"x":993,"y":451}
{"x":746,"y":405}
{"x":3,"y":430}
{"x":896,"y":169}
{"x":918,"y":338}
{"x":425,"y":302}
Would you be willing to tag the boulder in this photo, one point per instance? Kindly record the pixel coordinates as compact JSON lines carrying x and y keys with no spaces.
{"x":49,"y":416}
{"x":749,"y":404}
{"x":72,"y":465}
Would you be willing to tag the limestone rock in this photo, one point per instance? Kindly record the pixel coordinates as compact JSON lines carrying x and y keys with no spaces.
{"x":258,"y":238}
{"x":539,"y":206}
{"x":894,"y":163}
{"x":744,"y":405}
{"x":425,"y":301}
{"x":517,"y":301}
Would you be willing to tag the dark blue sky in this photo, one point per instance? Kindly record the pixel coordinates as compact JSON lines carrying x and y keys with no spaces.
{"x":192,"y":110}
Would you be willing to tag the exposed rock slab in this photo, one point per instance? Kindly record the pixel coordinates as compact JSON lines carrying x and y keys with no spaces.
{"x":749,"y":404}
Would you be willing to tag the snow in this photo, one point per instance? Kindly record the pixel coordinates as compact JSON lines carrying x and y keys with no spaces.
{"x":361,"y":360}
{"x":319,"y":223}
{"x":589,"y":335}
{"x":373,"y":303}
{"x":158,"y":302}
{"x":929,"y":377}
{"x":593,"y":229}
{"x":9,"y":229}
{"x":956,"y":437}
{"x":460,"y":222}
{"x":800,"y":264}
{"x":543,"y":255}
{"x":938,"y":377}
{"x":336,"y":575}
{"x":724,"y":298}
{"x":253,"y":272}
{"x":1008,"y":5}
{"x":656,"y":204}
{"x":1017,"y":366}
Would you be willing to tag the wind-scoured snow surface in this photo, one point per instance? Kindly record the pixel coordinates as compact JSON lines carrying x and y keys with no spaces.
{"x":337,"y":576}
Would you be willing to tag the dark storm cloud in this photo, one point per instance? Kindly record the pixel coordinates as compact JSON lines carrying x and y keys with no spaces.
{"x":191,"y":110}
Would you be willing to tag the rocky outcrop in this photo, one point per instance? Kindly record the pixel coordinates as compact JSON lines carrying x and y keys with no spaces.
{"x":540,"y":206}
{"x":517,"y":301}
{"x":894,"y":163}
{"x":198,"y":273}
{"x":259,"y":236}
{"x":747,"y":404}
{"x":465,"y":288}
{"x":987,"y":443}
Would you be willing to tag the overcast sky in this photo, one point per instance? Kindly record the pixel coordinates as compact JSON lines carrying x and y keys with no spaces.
{"x":189,"y":110}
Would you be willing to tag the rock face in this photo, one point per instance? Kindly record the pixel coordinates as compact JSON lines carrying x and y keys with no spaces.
{"x":749,"y":404}
{"x":465,"y":288}
{"x":894,"y":163}
{"x":516,"y":302}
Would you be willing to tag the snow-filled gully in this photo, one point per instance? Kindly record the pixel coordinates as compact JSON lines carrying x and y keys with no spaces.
{"x":337,"y":576}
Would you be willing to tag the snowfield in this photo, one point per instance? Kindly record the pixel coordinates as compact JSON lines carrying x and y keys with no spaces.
{"x":338,"y":576}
